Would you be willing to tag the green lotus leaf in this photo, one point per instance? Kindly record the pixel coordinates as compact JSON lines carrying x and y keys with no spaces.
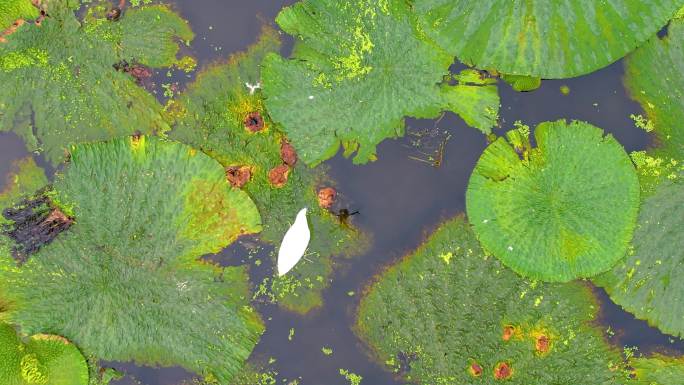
{"x":59,"y":84}
{"x":522,"y":83}
{"x":43,"y":360}
{"x":658,"y":370}
{"x":211,"y":116}
{"x":450,"y":314}
{"x":654,"y":79}
{"x":11,"y":10}
{"x":547,"y":39}
{"x":647,"y":283}
{"x":124,"y":282}
{"x":563,"y":210}
{"x":357,"y":69}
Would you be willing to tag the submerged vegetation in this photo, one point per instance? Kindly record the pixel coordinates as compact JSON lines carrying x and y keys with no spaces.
{"x":111,"y":257}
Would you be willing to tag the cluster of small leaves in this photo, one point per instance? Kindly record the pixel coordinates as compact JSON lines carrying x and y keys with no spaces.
{"x":357,"y":69}
{"x":58,"y":83}
{"x":450,"y":314}
{"x":212,"y":116}
{"x":547,"y":39}
{"x":41,"y":360}
{"x":124,"y":282}
{"x":563,"y":210}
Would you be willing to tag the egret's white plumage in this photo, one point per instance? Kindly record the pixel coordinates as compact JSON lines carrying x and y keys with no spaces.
{"x":294,"y":244}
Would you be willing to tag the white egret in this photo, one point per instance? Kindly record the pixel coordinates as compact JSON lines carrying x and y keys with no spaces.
{"x":294,"y":244}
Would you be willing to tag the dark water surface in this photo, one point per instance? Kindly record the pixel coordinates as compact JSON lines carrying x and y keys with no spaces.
{"x":400,"y":199}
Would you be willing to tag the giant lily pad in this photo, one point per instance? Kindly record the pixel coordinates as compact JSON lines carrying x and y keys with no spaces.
{"x":11,"y":10}
{"x":357,"y":69}
{"x":213,"y":115}
{"x":59,"y":86}
{"x":548,"y":39}
{"x":124,"y":282}
{"x":563,"y":210}
{"x":654,"y":78}
{"x":43,"y":360}
{"x":648,"y":283}
{"x":450,"y":314}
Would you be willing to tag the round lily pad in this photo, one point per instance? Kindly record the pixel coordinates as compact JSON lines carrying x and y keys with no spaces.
{"x":563,"y":210}
{"x":450,"y":314}
{"x":548,"y":39}
{"x":124,"y":282}
{"x":649,"y":283}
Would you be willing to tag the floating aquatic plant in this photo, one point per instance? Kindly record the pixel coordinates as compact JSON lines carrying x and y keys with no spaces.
{"x":222,"y":113}
{"x":547,"y":39}
{"x":41,"y":360}
{"x":648,"y":283}
{"x":59,"y":86}
{"x":450,"y":314}
{"x":357,"y":69}
{"x":563,"y":210}
{"x":124,"y":282}
{"x":654,"y":78}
